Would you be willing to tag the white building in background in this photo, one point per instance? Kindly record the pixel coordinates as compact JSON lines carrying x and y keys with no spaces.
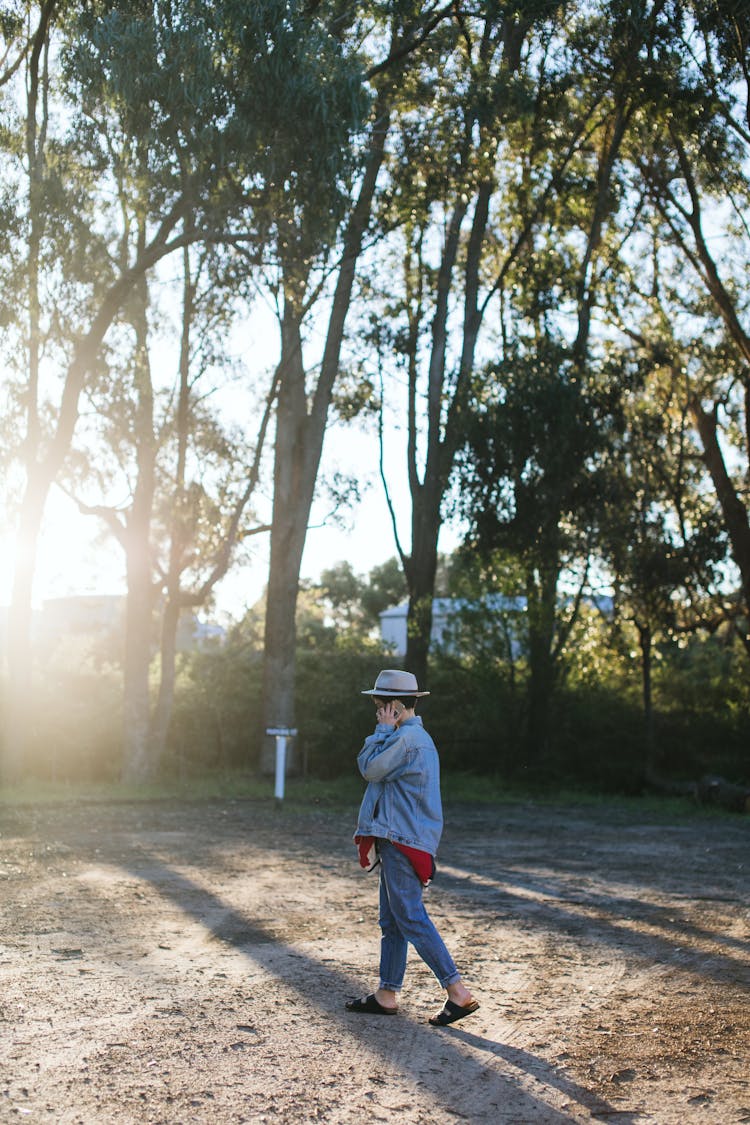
{"x":447,"y":615}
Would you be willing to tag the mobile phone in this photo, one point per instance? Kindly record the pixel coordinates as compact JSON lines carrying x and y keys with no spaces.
{"x":398,"y":708}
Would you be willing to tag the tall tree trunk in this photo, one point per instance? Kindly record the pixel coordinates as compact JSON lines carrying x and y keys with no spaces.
{"x":735,"y":513}
{"x":293,"y":487}
{"x":137,"y":764}
{"x":645,"y":641}
{"x":162,"y":715}
{"x":300,"y":431}
{"x":18,"y":704}
{"x":420,"y":571}
{"x":420,"y":566}
{"x":734,"y":509}
{"x":19,"y":708}
{"x":445,"y":414}
{"x":541,"y":608}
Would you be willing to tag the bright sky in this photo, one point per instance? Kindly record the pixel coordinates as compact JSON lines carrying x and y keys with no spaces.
{"x":77,"y":557}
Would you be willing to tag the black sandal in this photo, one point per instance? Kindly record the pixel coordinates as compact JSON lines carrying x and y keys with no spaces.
{"x":369,"y":1006}
{"x":452,"y":1012}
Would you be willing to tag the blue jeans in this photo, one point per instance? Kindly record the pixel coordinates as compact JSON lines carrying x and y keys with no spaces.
{"x":403,"y":919}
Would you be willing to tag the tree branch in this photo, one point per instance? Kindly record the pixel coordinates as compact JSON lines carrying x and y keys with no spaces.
{"x":381,"y":465}
{"x":411,"y":45}
{"x":108,"y":515}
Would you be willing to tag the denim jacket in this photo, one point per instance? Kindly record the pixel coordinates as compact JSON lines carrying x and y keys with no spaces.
{"x":402,"y":800}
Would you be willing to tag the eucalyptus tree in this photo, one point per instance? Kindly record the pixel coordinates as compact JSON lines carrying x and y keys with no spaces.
{"x":286,"y":78}
{"x":172,"y":123}
{"x":693,"y":158}
{"x":171,"y":480}
{"x":76,"y":278}
{"x":658,"y":532}
{"x":442,"y":180}
{"x":322,"y":219}
{"x":531,"y":489}
{"x":509,"y":187}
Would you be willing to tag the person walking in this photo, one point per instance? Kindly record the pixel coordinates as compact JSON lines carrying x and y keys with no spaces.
{"x":399,"y":827}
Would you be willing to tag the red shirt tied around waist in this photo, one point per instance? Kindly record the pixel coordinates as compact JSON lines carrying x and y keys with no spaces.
{"x":422,"y":862}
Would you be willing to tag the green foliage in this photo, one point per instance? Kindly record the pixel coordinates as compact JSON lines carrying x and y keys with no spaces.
{"x":597,"y":740}
{"x":528,"y":468}
{"x":346,"y":600}
{"x":333,"y":717}
{"x":608,"y":146}
{"x":218,"y":102}
{"x":477,"y":707}
{"x":216,"y":722}
{"x":475,"y":713}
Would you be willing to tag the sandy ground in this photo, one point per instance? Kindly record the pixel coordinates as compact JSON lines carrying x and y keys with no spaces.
{"x":171,"y":962}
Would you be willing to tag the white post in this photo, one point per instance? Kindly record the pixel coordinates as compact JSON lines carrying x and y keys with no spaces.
{"x":281,"y":734}
{"x":280,"y":766}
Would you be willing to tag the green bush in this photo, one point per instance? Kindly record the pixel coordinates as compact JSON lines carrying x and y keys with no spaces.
{"x":475,"y":712}
{"x":216,"y":723}
{"x":333,"y":717}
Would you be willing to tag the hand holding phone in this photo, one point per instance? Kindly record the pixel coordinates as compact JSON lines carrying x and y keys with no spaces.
{"x":390,"y":712}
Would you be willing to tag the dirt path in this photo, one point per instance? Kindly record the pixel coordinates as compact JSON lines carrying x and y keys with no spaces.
{"x":179,"y":963}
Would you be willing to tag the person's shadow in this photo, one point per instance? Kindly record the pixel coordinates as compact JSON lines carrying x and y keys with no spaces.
{"x":547,"y":1076}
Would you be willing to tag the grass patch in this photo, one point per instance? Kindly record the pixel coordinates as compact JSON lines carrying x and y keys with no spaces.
{"x":467,"y":788}
{"x":234,"y":785}
{"x":345,"y":793}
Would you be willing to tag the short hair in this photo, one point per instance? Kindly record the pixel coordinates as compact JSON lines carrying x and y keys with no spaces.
{"x":408,"y":701}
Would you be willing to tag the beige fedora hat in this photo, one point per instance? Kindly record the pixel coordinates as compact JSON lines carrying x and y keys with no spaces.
{"x":392,"y":681}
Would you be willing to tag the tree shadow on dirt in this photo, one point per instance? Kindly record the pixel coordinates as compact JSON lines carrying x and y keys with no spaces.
{"x":526,"y":1062}
{"x":462,"y":1078}
{"x":557,"y":903}
{"x":610,"y":920}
